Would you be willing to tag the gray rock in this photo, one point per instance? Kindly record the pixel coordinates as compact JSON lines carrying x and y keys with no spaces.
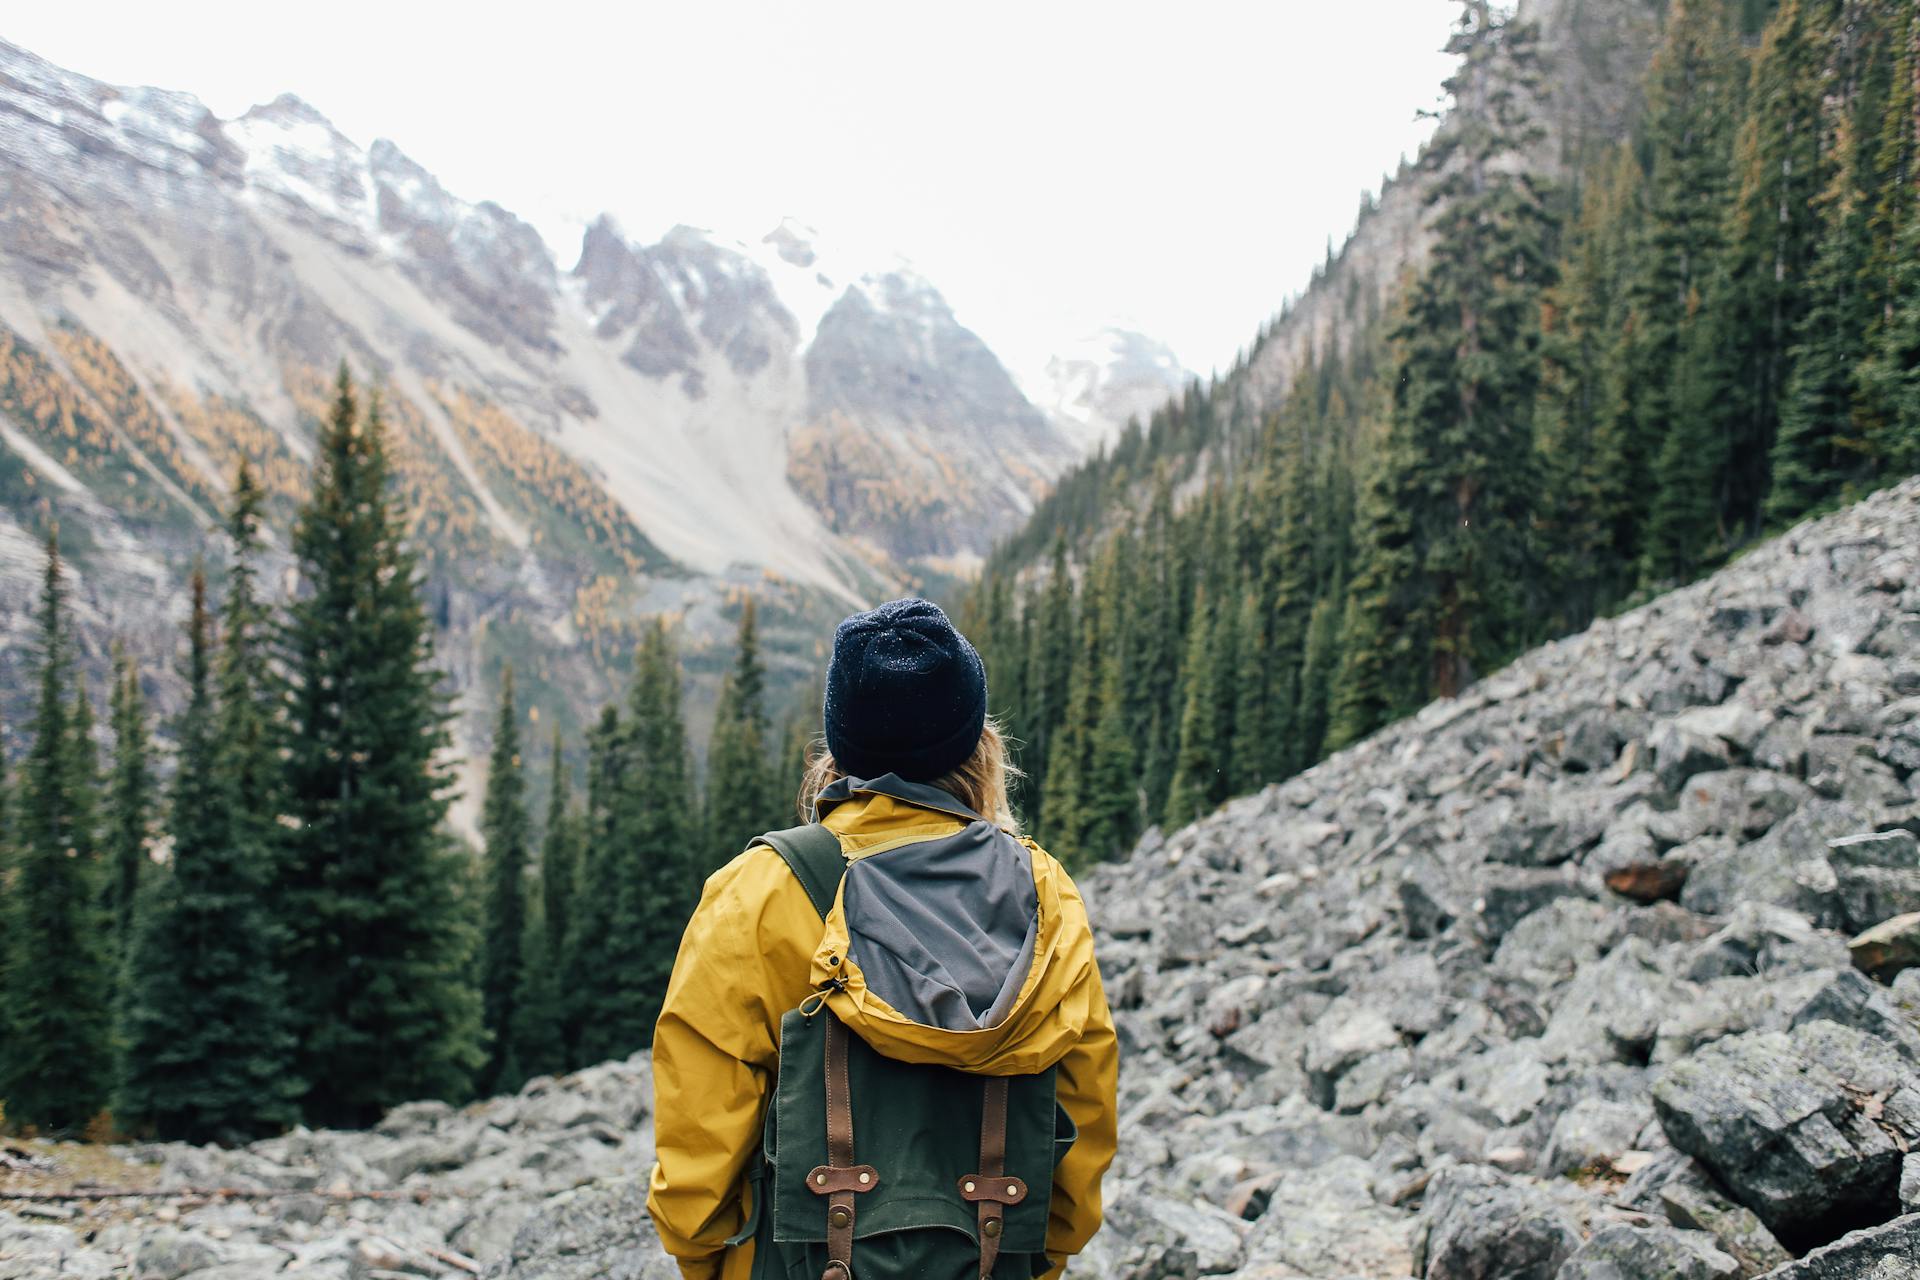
{"x":1520,"y":892}
{"x":1741,"y":803}
{"x":1910,"y":1183}
{"x":167,"y":1254}
{"x":414,"y":1118}
{"x":1693,"y":1200}
{"x":1593,"y":743}
{"x":1761,"y":938}
{"x":1787,"y":867}
{"x":1679,"y":753}
{"x":1782,"y":1120}
{"x":1848,"y":998}
{"x":1482,"y":1225}
{"x":1591,"y":1133}
{"x":1612,"y":1009}
{"x":1890,"y":1251}
{"x":1324,"y":1219}
{"x":1879,"y":876}
{"x":1630,"y":1253}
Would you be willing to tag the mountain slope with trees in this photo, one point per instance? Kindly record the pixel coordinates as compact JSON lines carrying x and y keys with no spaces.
{"x":1611,"y":357}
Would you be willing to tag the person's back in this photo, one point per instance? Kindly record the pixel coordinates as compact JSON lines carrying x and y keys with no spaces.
{"x":921,"y":984}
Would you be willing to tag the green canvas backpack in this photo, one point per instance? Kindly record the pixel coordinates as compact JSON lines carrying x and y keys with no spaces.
{"x":876,"y":1169}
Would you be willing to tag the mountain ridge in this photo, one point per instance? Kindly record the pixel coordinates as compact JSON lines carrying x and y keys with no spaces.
{"x":652,"y":429}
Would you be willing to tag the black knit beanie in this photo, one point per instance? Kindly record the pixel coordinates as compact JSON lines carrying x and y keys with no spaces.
{"x":906,"y":693}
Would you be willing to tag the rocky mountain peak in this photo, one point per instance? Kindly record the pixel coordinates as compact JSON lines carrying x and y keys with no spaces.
{"x":1093,"y":387}
{"x":793,"y":241}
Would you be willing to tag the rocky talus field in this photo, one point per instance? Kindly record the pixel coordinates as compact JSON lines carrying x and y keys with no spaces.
{"x":1598,"y":971}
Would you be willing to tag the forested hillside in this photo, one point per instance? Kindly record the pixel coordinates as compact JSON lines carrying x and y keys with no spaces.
{"x":1610,"y":362}
{"x":272,"y":923}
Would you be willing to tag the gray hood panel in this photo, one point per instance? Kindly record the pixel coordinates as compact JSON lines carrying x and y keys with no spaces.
{"x":944,"y":929}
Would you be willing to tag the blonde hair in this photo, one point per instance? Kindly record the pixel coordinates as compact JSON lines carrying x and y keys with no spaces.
{"x":980,"y":782}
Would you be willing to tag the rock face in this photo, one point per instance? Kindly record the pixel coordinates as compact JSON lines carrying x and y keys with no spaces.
{"x":1383,"y":1020}
{"x":1806,"y":1127}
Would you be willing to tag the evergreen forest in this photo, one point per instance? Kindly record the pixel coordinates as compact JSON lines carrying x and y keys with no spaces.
{"x":286,"y":931}
{"x":1598,"y":388}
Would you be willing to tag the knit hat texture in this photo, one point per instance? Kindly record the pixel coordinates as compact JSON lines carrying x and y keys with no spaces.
{"x":906,"y":693}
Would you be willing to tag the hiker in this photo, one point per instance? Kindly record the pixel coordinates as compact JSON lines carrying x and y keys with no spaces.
{"x":885,"y":1051}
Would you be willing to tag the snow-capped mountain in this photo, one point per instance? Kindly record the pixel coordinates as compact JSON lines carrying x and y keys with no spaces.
{"x":1091,"y":388}
{"x":647,"y":430}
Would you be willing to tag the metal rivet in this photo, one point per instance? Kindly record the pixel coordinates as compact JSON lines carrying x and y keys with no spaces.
{"x":866,"y":1177}
{"x":1013,"y":1188}
{"x":993,"y":1227}
{"x":820,"y":1178}
{"x":841,"y":1217}
{"x":969,"y":1188}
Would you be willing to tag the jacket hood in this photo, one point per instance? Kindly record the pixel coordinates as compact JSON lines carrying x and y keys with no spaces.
{"x":951,"y":941}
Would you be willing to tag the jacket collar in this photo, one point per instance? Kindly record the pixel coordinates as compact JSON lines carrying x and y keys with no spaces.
{"x":918,"y":794}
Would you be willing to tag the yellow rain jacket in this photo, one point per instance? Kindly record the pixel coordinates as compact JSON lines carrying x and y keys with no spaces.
{"x":756,"y":948}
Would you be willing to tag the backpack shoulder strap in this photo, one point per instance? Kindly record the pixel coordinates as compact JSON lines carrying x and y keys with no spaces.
{"x":813,"y":854}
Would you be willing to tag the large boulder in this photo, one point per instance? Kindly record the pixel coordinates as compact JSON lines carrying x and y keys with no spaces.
{"x":1628,"y":1253}
{"x":1480,"y":1225}
{"x":1890,"y":1251}
{"x":1805,"y":1127}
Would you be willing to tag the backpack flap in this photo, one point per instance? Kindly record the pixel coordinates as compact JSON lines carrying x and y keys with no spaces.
{"x":918,"y":1126}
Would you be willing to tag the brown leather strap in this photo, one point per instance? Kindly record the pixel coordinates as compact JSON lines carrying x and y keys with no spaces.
{"x":992,"y":1189}
{"x":839,"y":1158}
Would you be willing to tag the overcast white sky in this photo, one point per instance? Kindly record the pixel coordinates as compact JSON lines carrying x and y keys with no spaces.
{"x":1050,"y":164}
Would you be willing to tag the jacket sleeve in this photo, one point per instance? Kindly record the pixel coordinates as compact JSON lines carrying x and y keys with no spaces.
{"x":742,"y":964}
{"x":1087,"y":1086}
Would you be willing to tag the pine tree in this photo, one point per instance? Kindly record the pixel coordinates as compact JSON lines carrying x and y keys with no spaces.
{"x":55,"y":1070}
{"x":1895,"y":370}
{"x":377,"y":893}
{"x":249,"y":696}
{"x":1196,"y":770}
{"x":503,"y":831}
{"x":1441,"y":591}
{"x":1111,"y":800}
{"x":1692,"y":93}
{"x":209,"y":1043}
{"x":559,"y":858}
{"x":649,"y":824}
{"x":1822,"y":450}
{"x":1687,"y":360}
{"x":1891,"y":374}
{"x":1063,"y":796}
{"x":1584,"y":519}
{"x":1316,"y":677}
{"x":1756,"y":299}
{"x":1281,"y":611}
{"x":129,"y":799}
{"x":1252,"y":752}
{"x":1049,"y":677}
{"x":539,"y":1029}
{"x":605,"y":861}
{"x":741,"y":798}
